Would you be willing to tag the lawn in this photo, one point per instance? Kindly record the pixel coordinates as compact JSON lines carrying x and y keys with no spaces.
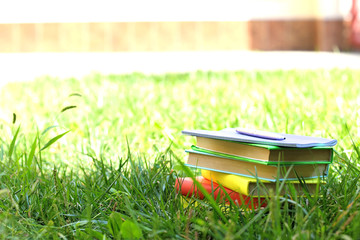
{"x":97,"y":158}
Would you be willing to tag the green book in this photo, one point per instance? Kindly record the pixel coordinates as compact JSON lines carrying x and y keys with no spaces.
{"x":255,"y":168}
{"x":264,"y":154}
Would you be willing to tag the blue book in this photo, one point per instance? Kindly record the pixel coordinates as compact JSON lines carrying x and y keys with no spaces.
{"x":264,"y":138}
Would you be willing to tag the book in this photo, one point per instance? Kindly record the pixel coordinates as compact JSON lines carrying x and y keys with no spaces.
{"x":186,"y":187}
{"x":269,"y":154}
{"x":260,"y":170}
{"x":254,"y":187}
{"x":290,"y":140}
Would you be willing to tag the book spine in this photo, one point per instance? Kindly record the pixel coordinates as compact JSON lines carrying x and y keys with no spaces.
{"x":207,"y":152}
{"x":257,"y":177}
{"x":187,"y":188}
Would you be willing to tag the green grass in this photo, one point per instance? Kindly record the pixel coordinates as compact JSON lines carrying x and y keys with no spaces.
{"x":111,"y":175}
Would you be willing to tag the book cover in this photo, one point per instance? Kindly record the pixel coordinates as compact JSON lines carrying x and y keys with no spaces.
{"x":272,"y":154}
{"x":298,"y":159}
{"x":187,"y":188}
{"x":256,"y":187}
{"x":295,"y":141}
{"x":253,"y":169}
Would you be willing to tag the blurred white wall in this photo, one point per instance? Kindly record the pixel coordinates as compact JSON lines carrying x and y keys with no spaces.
{"x":40,"y":11}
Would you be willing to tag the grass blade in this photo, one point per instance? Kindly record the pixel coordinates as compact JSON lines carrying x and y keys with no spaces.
{"x":211,"y":200}
{"x":67,"y":108}
{"x":14,"y":118}
{"x":12,"y":144}
{"x":53,"y":140}
{"x":75,"y":95}
{"x":47,"y":129}
{"x":32,"y":152}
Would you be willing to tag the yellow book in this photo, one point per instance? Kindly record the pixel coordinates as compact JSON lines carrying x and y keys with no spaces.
{"x":256,"y":187}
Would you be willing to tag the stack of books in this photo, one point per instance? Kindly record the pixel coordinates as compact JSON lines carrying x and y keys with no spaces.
{"x":248,"y":164}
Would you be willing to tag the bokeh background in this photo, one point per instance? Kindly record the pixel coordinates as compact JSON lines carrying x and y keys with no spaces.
{"x":161,"y":25}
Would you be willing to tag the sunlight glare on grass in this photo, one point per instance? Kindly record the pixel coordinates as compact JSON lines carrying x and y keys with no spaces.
{"x":113,"y":173}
